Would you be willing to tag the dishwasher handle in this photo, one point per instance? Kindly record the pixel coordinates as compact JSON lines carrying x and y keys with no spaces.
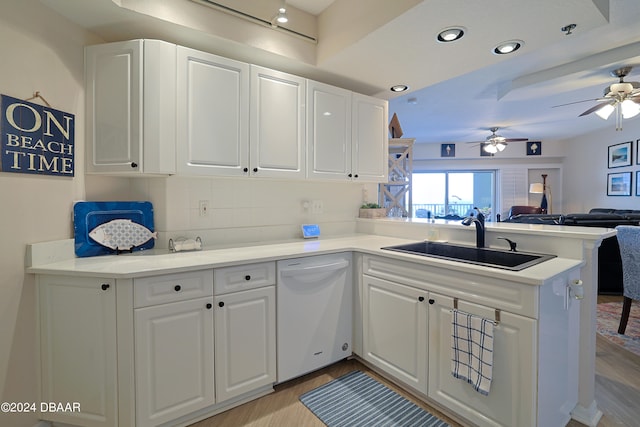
{"x":315,"y":268}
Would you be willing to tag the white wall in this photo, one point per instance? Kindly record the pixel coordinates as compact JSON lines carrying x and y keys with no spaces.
{"x":40,"y":52}
{"x":585,"y":168}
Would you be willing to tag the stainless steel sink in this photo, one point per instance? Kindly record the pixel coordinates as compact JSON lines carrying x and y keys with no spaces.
{"x":514,"y":261}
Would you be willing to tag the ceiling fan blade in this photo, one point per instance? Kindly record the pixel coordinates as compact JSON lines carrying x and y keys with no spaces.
{"x":516,"y":139}
{"x":579,"y":102}
{"x":596,"y":108}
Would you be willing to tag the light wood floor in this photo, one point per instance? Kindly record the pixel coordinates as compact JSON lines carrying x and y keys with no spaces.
{"x":617,"y":394}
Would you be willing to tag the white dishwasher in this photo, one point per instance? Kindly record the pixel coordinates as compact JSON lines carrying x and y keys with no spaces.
{"x":314,"y":311}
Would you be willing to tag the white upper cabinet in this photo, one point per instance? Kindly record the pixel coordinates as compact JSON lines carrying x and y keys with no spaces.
{"x":213,"y":114}
{"x":369,"y":140}
{"x":130,"y":107}
{"x":277,"y":135}
{"x":346,"y":134}
{"x":328,"y":131}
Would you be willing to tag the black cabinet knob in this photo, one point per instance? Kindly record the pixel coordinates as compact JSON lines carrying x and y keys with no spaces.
{"x":177,"y":288}
{"x":247,"y":277}
{"x":432,"y":301}
{"x":420,"y":299}
{"x":245,"y":170}
{"x":221,"y":304}
{"x":255,"y":170}
{"x":134,"y":165}
{"x":209,"y":305}
{"x":350,"y":175}
{"x":355,"y":176}
{"x":105,"y":286}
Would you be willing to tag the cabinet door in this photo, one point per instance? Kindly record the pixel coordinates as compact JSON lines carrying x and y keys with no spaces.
{"x":130,"y":89}
{"x":277,"y":135}
{"x":245,"y":324}
{"x":173,"y":360}
{"x":213,"y":114}
{"x":328,"y":131}
{"x":395,"y":330}
{"x":369,"y":141}
{"x":511,"y":400}
{"x":114,"y":90}
{"x":78,"y":348}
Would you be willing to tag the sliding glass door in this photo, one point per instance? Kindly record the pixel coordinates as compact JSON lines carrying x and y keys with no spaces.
{"x":452,"y":194}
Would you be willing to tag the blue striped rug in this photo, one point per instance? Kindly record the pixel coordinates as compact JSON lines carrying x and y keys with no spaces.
{"x":356,"y":399}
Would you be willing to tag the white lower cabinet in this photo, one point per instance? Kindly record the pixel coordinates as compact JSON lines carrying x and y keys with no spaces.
{"x":395,"y":330}
{"x":78,"y":349}
{"x":407,"y":314}
{"x":511,"y":400}
{"x":174,"y":360}
{"x":245,"y":338}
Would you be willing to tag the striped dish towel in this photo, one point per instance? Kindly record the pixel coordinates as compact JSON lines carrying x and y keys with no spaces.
{"x":472,"y":350}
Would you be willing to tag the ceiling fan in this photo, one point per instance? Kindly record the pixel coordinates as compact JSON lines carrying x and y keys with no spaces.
{"x":622,"y":97}
{"x":494,"y":142}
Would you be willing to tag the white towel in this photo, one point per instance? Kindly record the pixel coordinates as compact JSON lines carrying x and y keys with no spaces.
{"x":472,"y":350}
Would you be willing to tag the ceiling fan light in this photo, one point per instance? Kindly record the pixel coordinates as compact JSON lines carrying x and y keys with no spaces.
{"x":629,"y":109}
{"x":500,"y":146}
{"x":490,"y":148}
{"x":605,"y":111}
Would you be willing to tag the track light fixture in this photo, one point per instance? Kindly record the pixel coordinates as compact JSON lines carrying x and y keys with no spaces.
{"x":281,"y":17}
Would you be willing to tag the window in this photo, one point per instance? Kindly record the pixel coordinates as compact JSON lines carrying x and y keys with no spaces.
{"x":452,"y":195}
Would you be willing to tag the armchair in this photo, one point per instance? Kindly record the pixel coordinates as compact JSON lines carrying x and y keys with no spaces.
{"x":629,"y":242}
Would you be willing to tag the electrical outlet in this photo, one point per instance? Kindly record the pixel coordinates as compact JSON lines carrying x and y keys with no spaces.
{"x":317,"y":207}
{"x":204,"y":207}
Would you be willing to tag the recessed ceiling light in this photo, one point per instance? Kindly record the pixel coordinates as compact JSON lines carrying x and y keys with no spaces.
{"x":399,"y":88}
{"x":508,"y":47}
{"x":450,"y":34}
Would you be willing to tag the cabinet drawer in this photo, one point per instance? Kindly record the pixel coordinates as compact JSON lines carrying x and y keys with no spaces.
{"x":250,"y":276}
{"x":172,"y":287}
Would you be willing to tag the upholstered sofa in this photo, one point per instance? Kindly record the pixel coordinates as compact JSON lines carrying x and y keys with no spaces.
{"x":609,"y":261}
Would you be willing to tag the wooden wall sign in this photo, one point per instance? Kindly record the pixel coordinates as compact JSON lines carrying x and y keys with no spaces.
{"x":36,"y":139}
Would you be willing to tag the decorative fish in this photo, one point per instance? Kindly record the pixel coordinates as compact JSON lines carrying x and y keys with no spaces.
{"x":122,"y":234}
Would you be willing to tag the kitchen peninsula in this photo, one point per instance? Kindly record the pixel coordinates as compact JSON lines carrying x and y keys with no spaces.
{"x":532,"y":303}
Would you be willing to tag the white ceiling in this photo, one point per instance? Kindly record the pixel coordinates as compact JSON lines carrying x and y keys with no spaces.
{"x":461,"y":89}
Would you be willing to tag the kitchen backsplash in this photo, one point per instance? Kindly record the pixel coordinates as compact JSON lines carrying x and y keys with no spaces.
{"x":241,"y":210}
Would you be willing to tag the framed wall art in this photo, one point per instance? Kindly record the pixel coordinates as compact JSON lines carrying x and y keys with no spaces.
{"x":447,"y":150}
{"x":620,"y":155}
{"x":534,"y":148}
{"x":619,"y":184}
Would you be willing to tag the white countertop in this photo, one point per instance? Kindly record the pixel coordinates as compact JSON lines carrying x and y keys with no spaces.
{"x":150,"y":263}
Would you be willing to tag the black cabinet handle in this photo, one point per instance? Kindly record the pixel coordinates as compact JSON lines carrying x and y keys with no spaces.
{"x":247,"y":277}
{"x":134,"y":165}
{"x":245,"y":170}
{"x":177,"y":288}
{"x":432,"y":301}
{"x":355,"y":176}
{"x":105,"y":286}
{"x":209,"y":305}
{"x":221,"y":304}
{"x":420,"y":299}
{"x":350,"y":175}
{"x":255,"y":170}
